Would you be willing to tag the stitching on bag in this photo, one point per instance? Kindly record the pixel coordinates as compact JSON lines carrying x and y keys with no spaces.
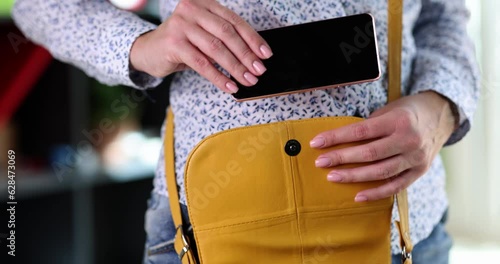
{"x":245,"y":223}
{"x":350,"y":210}
{"x":294,"y":176}
{"x":345,"y":211}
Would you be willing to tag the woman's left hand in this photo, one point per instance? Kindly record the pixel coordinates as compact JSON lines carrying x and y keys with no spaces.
{"x":406,"y":135}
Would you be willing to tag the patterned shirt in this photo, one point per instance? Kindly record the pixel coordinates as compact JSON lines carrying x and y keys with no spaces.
{"x":437,"y":55}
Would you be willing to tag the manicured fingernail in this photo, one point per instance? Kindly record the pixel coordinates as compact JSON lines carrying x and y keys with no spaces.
{"x":250,"y":78}
{"x":266,"y":51}
{"x":334,"y":177}
{"x":259,"y":67}
{"x":317,"y":142}
{"x":360,"y":198}
{"x":231,"y":86}
{"x":323,"y":162}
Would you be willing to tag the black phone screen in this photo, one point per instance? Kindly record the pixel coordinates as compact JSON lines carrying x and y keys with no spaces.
{"x":315,"y":55}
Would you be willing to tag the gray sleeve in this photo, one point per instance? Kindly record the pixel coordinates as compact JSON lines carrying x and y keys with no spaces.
{"x":445,"y":61}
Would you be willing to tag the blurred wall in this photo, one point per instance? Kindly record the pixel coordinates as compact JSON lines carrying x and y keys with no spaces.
{"x":473,"y":165}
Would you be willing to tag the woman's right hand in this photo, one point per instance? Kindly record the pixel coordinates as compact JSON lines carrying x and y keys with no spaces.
{"x":198,"y":34}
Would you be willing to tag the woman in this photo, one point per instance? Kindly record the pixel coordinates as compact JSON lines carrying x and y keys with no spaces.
{"x":439,"y":74}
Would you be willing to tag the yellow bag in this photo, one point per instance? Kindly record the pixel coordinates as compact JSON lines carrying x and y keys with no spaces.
{"x":255,"y":192}
{"x":255,"y":196}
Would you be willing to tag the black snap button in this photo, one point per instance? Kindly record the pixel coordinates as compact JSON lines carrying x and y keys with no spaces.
{"x":292,"y":147}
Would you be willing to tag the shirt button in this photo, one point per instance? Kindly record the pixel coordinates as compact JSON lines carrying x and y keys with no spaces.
{"x":292,"y":147}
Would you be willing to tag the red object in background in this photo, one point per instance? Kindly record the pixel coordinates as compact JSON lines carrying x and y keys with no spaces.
{"x":21,"y":64}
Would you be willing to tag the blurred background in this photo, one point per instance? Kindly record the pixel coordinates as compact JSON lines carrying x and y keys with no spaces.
{"x":473,"y":165}
{"x":86,"y":153}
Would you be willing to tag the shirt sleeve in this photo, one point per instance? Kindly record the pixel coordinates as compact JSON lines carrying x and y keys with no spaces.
{"x":94,"y":36}
{"x":445,"y":61}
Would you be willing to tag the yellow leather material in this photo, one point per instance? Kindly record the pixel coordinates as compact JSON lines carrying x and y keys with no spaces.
{"x":251,"y":202}
{"x":395,"y":40}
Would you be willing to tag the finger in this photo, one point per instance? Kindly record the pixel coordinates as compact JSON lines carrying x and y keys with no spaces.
{"x":258,"y":45}
{"x":366,"y":129}
{"x":372,"y":151}
{"x":226,"y":32}
{"x":201,"y":64}
{"x":374,"y":172}
{"x":393,"y":186}
{"x":215,"y":49}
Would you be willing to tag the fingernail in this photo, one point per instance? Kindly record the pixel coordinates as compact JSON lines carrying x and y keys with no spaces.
{"x":334,"y":177}
{"x":266,"y":51}
{"x":360,"y":198}
{"x":250,"y":78}
{"x":317,"y":142}
{"x":231,"y":86}
{"x":323,"y":162}
{"x":259,"y":67}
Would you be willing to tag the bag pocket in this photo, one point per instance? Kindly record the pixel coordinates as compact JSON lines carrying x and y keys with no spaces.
{"x":358,"y":235}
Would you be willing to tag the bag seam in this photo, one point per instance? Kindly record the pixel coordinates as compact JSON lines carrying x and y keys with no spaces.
{"x":294,"y":187}
{"x":247,"y":222}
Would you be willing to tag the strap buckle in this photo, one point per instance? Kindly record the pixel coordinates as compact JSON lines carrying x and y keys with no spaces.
{"x":185,"y":243}
{"x":405,"y":255}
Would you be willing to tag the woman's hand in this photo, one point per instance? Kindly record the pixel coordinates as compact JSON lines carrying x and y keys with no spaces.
{"x":406,"y":136}
{"x":198,"y":34}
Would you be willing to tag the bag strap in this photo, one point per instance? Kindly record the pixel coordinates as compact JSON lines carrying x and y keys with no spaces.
{"x":395,"y":26}
{"x":181,"y":244}
{"x":395,"y":43}
{"x":395,"y":46}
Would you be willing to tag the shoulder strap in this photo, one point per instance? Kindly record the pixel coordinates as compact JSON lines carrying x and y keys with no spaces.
{"x":180,"y":243}
{"x":395,"y":42}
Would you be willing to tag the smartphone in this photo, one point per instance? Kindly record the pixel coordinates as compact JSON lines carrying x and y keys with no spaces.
{"x":317,"y":55}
